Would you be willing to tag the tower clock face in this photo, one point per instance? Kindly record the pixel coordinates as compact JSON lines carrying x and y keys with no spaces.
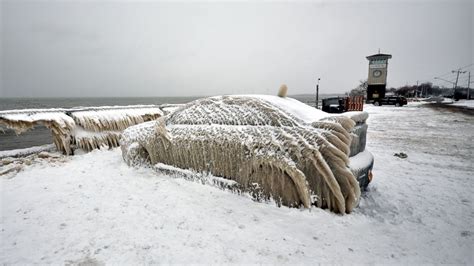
{"x":376,"y":73}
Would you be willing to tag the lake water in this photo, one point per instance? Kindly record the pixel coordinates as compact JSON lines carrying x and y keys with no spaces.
{"x":26,"y":103}
{"x":41,"y":135}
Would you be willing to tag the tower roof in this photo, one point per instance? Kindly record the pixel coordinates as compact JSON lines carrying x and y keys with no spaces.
{"x":379,"y":56}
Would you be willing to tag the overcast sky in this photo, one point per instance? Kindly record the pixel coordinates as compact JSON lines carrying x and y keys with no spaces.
{"x":123,"y":49}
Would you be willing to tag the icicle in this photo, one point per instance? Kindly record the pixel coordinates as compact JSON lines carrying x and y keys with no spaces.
{"x":87,"y":128}
{"x":265,"y":149}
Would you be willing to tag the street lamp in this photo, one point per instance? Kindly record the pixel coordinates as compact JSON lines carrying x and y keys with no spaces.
{"x":317,"y":93}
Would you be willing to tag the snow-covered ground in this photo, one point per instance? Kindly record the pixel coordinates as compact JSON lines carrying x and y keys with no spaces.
{"x":469,"y":104}
{"x":93,"y":208}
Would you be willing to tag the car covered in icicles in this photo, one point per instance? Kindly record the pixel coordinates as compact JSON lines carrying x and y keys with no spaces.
{"x":267,"y":146}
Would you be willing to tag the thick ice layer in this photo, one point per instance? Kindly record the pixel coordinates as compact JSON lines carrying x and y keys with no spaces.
{"x":90,"y":140}
{"x":359,"y":138}
{"x":240,"y":109}
{"x":191,"y":175}
{"x":170,"y":108}
{"x":289,"y":164}
{"x":357,"y":116}
{"x":296,"y":108}
{"x":232,"y":110}
{"x":117,"y":119}
{"x":23,"y":121}
{"x":85,"y":128}
{"x":361,"y":160}
{"x":256,"y":142}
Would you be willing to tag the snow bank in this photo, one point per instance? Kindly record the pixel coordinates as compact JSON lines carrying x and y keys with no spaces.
{"x":12,"y":162}
{"x":418,"y":210}
{"x":469,"y":104}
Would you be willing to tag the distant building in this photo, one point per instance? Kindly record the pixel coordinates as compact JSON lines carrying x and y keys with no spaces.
{"x":377,"y":80}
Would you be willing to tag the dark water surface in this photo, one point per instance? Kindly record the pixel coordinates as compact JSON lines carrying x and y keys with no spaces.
{"x":27,"y":103}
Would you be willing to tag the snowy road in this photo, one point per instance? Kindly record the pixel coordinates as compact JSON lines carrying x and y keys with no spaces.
{"x":93,"y":208}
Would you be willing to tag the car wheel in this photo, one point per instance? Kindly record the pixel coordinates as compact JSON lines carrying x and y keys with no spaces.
{"x":377,"y":103}
{"x":397,"y":104}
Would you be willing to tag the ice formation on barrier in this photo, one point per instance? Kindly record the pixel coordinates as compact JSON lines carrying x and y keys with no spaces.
{"x":86,"y":128}
{"x":268,"y":149}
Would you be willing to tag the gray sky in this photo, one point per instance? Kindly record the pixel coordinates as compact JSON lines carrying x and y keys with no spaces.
{"x":119,"y":49}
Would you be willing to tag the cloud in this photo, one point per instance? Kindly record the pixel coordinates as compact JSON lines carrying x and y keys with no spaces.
{"x":57,"y":48}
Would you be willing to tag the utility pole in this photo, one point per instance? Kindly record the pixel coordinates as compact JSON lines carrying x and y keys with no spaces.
{"x":317,"y":93}
{"x":457,"y":78}
{"x":468,"y":85}
{"x":416,"y":93}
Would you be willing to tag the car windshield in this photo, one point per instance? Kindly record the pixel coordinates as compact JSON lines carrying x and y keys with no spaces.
{"x":332,"y":101}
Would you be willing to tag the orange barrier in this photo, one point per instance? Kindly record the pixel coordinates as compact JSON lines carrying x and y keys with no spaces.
{"x":355,"y":103}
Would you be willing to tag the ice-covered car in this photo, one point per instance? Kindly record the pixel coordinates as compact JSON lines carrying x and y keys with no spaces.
{"x":272,"y":147}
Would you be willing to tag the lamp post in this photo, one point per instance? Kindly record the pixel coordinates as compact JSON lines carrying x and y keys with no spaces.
{"x":317,"y":93}
{"x":457,"y":78}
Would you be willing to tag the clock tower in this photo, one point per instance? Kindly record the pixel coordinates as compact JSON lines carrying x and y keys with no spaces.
{"x":377,"y":79}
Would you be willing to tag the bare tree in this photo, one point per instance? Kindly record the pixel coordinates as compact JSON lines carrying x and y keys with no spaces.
{"x":360,"y":90}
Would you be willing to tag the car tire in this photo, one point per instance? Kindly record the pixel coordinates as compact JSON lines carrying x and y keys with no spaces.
{"x":397,"y":104}
{"x":377,"y":104}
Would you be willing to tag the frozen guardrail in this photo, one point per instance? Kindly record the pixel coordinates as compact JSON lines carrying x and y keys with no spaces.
{"x":86,"y":128}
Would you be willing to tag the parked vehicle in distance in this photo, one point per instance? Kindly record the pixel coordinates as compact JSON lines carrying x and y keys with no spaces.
{"x":392,"y":100}
{"x":333,"y":105}
{"x":343,"y":104}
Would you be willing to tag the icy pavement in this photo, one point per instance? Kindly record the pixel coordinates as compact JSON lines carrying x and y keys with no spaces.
{"x":93,"y":208}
